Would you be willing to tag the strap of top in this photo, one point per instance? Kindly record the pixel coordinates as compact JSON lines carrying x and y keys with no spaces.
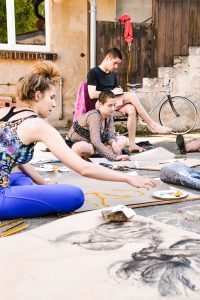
{"x":11,"y":113}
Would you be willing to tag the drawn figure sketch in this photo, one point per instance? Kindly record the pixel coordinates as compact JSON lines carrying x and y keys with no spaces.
{"x":172,"y":271}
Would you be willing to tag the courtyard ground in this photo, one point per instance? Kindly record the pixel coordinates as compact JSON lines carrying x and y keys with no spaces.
{"x":185,"y":215}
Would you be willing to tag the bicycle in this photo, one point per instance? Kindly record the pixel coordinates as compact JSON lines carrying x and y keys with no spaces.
{"x":176,"y":110}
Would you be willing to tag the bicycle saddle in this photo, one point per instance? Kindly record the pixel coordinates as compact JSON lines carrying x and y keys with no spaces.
{"x":134,"y":85}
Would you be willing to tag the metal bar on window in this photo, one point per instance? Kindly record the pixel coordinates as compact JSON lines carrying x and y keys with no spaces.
{"x":10,"y":9}
{"x":47,"y":25}
{"x":11,"y":31}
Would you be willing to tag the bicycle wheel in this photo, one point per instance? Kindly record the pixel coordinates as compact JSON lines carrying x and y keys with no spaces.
{"x":183,"y":119}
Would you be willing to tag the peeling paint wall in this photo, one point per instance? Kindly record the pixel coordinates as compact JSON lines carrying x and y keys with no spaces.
{"x":70,"y":41}
{"x":138,"y":10}
{"x":185,"y":75}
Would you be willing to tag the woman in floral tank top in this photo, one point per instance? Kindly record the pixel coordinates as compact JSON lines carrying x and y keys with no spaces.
{"x":26,"y":193}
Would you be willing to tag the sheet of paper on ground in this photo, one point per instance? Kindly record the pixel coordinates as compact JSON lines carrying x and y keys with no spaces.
{"x":82,"y":257}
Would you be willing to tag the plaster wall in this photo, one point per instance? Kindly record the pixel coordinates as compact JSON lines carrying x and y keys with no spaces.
{"x":185,"y":75}
{"x":68,"y":28}
{"x":106,"y":10}
{"x":138,"y":10}
{"x":10,"y":72}
{"x":69,"y":40}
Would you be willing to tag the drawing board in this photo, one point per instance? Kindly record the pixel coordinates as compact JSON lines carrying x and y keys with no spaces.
{"x":113,"y":194}
{"x":82,"y":257}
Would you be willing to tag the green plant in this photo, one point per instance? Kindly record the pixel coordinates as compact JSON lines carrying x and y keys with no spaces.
{"x":120,"y":128}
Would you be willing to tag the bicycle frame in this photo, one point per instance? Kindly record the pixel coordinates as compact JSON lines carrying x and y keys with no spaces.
{"x":133,"y":87}
{"x":167,"y":96}
{"x":157,"y":104}
{"x":171,"y":105}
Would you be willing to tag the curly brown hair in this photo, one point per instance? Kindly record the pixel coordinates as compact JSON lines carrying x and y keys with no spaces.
{"x":40,"y":78}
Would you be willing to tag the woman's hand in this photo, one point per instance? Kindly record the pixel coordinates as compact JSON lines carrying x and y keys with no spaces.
{"x":122,"y":157}
{"x":51,"y":181}
{"x":141,"y":182}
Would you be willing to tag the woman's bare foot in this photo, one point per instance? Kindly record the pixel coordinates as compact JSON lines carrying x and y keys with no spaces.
{"x":156,"y":128}
{"x":135,"y":148}
{"x":193,"y":146}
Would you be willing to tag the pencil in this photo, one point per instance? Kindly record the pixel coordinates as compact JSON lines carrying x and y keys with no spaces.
{"x":13,"y":225}
{"x":2,"y":224}
{"x":14,"y":230}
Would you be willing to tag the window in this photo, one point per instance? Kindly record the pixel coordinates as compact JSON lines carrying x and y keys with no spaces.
{"x":24,"y":25}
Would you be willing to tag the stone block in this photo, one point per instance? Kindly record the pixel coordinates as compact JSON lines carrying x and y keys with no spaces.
{"x":194,"y":51}
{"x":181,"y":62}
{"x":194,"y":61}
{"x":165,"y":72}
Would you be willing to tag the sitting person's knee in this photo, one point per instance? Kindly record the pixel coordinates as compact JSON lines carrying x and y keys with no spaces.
{"x":130,"y":110}
{"x":90,"y":149}
{"x":131,"y":96}
{"x":87,"y":149}
{"x":83,"y":148}
{"x":122,"y":141}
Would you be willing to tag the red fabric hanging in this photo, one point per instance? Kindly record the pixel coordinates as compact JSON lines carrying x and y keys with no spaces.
{"x":128,"y":31}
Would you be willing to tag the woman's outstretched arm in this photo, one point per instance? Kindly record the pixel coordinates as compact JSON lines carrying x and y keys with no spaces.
{"x":37,"y":130}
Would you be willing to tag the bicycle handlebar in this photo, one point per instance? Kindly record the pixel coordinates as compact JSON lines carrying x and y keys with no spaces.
{"x":134,"y":85}
{"x":168,"y":83}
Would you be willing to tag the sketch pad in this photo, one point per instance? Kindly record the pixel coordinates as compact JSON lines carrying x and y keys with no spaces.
{"x":82,"y":257}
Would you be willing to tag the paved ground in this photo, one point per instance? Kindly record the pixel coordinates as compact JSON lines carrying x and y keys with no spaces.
{"x":185,"y":215}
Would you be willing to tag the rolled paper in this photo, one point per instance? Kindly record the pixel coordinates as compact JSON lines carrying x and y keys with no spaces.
{"x":180,"y":174}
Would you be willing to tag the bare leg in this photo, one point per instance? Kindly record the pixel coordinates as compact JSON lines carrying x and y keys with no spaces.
{"x":122,"y":141}
{"x":152,"y":125}
{"x":83,"y":149}
{"x":193,"y":146}
{"x":130,"y":110}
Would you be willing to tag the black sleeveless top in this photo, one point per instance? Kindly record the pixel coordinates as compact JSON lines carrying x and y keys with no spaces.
{"x":12,"y":113}
{"x":12,"y":150}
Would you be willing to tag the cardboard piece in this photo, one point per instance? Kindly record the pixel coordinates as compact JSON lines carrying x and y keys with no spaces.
{"x":153,"y":165}
{"x":158,"y":153}
{"x":158,"y":164}
{"x":101,"y":194}
{"x":113,"y":194}
{"x":82,"y":257}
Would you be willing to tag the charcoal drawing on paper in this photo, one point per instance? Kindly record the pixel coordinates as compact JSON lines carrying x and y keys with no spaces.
{"x":172,"y":270}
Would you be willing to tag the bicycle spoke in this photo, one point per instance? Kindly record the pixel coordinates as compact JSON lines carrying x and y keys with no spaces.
{"x":180,"y":114}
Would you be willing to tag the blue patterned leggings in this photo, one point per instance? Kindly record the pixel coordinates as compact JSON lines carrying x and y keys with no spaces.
{"x":23,"y":199}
